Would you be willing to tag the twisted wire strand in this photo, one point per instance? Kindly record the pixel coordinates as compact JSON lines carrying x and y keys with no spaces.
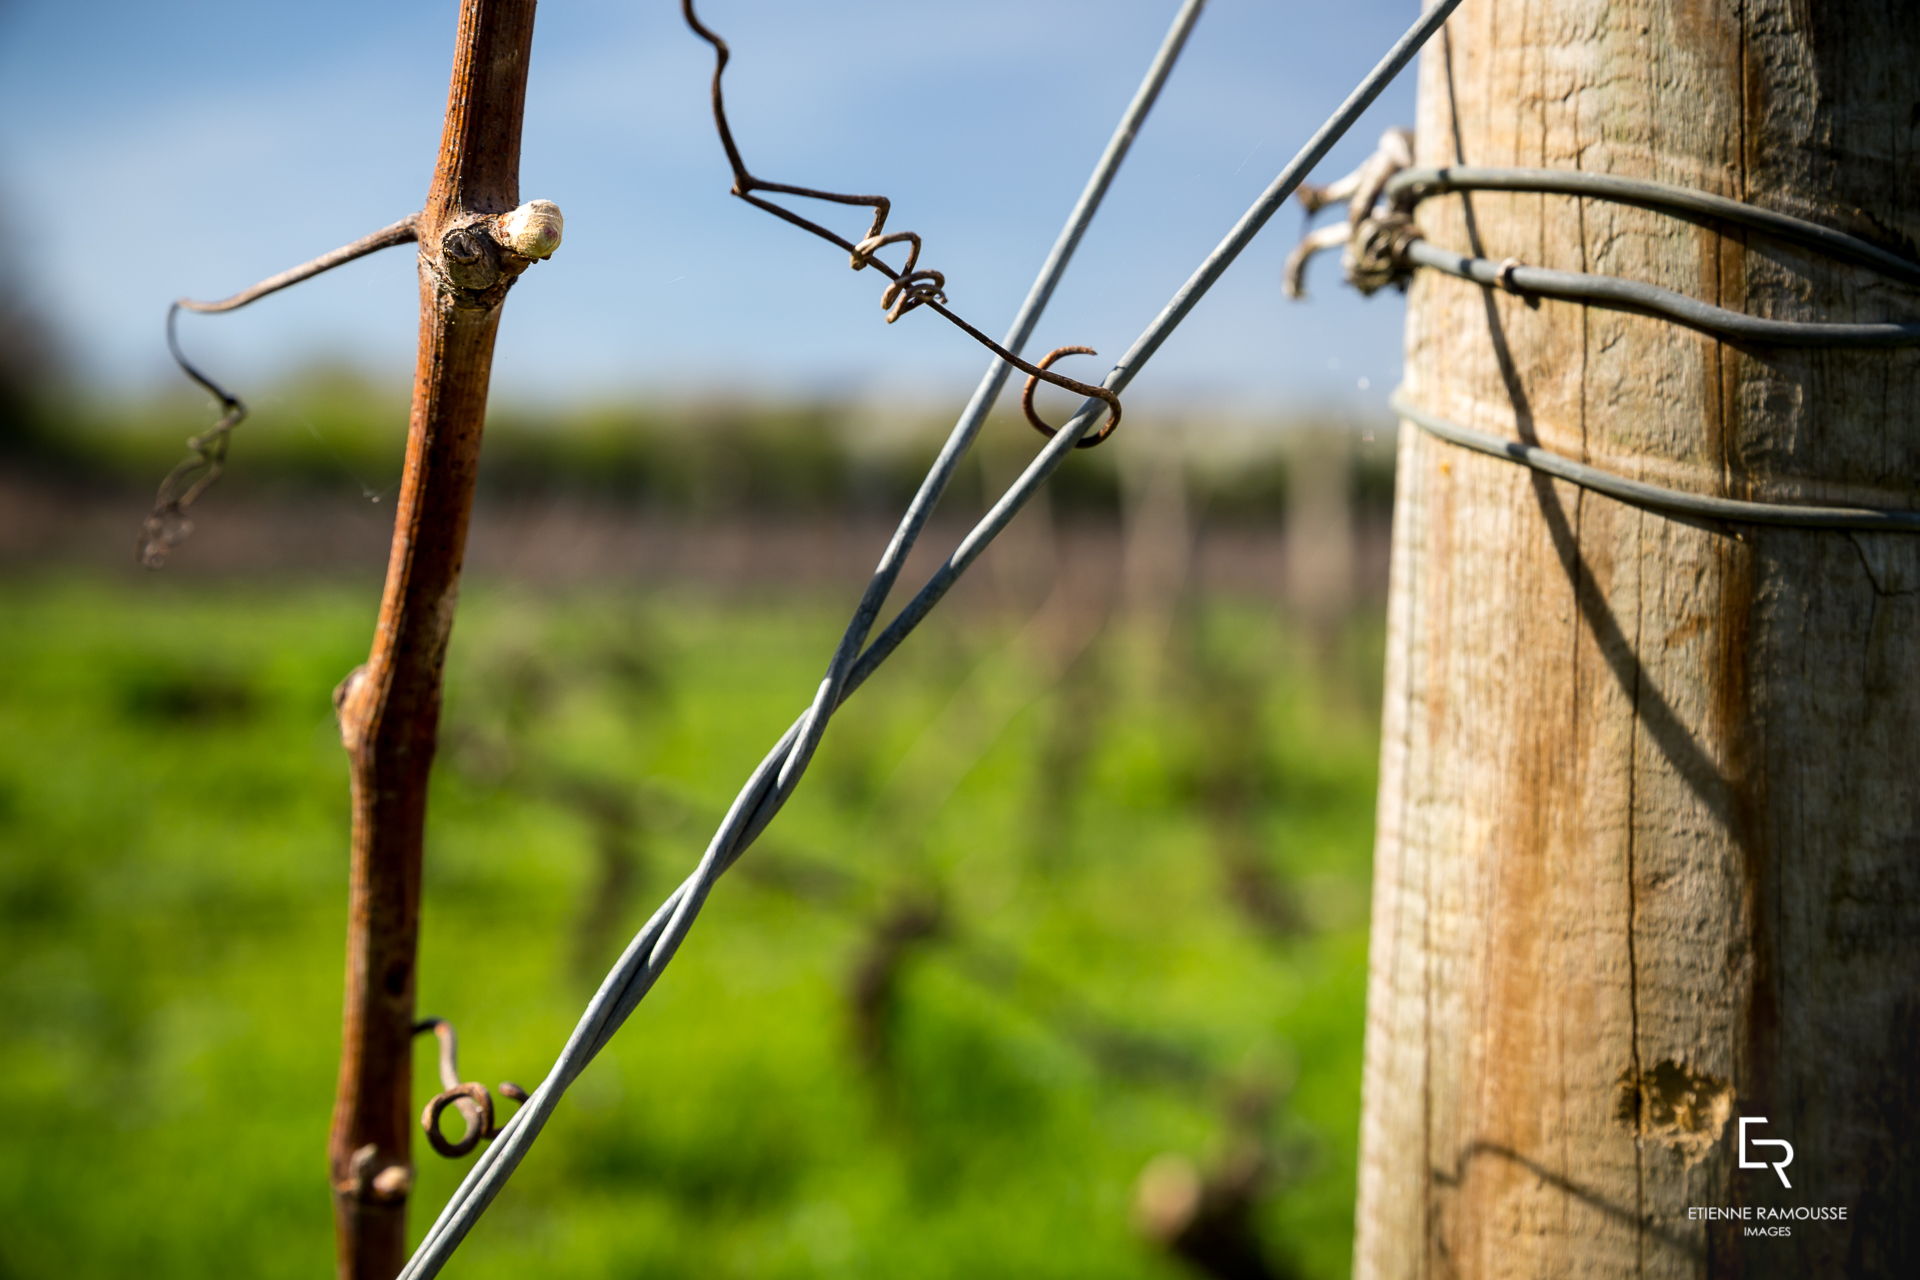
{"x":1658,"y":497}
{"x":856,"y":659}
{"x":908,"y":286}
{"x":167,"y":525}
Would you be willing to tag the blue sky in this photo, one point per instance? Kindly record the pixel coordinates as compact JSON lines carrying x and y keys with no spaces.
{"x":191,"y":148}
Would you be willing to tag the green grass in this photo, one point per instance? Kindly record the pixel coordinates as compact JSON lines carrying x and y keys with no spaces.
{"x":172,"y":899}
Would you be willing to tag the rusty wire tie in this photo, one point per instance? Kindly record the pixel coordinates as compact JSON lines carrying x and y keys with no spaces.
{"x":471,"y":1099}
{"x":910,"y":285}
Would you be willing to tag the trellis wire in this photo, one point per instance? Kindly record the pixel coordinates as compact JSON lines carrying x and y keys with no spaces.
{"x":1411,"y":185}
{"x":774,"y":779}
{"x":1658,"y":497}
{"x":1642,"y":298}
{"x":1385,"y":246}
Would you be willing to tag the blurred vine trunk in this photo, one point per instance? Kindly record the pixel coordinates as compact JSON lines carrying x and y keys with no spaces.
{"x":1161,"y":541}
{"x":1648,"y":858}
{"x":1318,"y":542}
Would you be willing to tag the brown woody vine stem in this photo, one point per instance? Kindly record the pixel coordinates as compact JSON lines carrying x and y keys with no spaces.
{"x":389,"y":708}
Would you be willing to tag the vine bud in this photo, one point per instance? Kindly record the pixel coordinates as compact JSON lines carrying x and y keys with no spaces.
{"x":532,"y":230}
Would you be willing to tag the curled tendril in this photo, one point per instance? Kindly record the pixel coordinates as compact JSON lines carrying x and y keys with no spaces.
{"x":167,"y":525}
{"x":472,"y":1100}
{"x":1039,"y":424}
{"x":909,"y":286}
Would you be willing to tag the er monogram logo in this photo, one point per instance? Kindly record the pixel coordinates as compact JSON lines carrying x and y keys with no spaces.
{"x":1778,"y":1166}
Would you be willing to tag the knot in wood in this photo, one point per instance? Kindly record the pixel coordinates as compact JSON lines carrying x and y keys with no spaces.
{"x":469,"y":261}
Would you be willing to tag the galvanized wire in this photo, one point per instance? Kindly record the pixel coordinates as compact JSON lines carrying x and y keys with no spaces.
{"x":1411,"y":185}
{"x":1645,"y":299}
{"x":773,"y":781}
{"x":1384,"y":246}
{"x":1658,"y":497}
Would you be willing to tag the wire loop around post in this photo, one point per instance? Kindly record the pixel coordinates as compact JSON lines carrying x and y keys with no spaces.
{"x":1700,"y":506}
{"x":1383,"y":246}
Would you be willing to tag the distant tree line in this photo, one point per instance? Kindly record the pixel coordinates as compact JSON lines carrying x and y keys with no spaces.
{"x":329,"y":429}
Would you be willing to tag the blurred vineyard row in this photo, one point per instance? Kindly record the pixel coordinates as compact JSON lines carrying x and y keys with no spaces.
{"x":330,"y":430}
{"x":1053,"y":968}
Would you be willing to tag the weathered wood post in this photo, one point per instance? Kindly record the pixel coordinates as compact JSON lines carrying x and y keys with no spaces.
{"x":1649,"y":830}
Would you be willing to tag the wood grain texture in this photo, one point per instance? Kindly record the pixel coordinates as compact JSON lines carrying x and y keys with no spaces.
{"x":1648,"y":856}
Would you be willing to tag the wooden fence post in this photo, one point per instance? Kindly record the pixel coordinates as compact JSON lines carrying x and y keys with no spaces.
{"x":1648,"y":860}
